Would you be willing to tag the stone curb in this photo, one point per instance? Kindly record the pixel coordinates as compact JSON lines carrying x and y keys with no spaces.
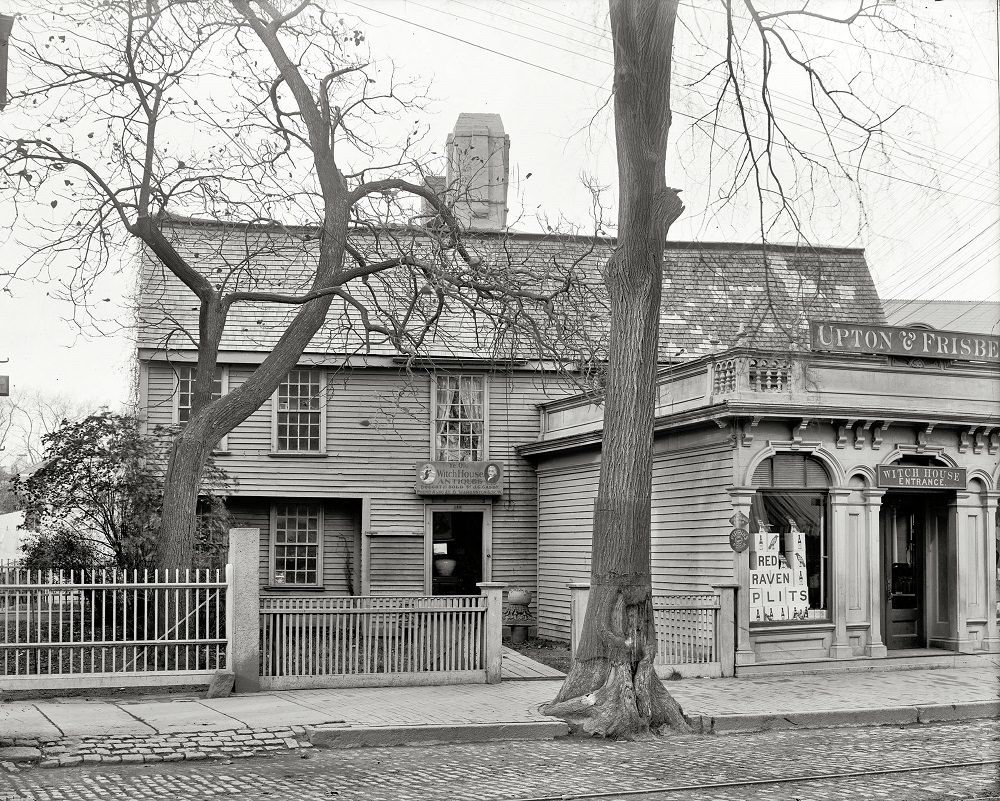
{"x":357,"y":737}
{"x":882,"y":716}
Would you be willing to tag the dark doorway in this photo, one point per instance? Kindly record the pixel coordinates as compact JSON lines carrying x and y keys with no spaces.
{"x":914,"y":525}
{"x":457,"y":553}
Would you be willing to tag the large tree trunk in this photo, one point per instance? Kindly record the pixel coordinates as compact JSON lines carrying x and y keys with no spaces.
{"x":611,"y":690}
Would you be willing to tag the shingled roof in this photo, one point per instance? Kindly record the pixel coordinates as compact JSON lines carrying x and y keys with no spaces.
{"x":713,"y":293}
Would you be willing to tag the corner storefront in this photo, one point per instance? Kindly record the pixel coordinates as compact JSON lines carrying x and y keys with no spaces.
{"x":853,"y":487}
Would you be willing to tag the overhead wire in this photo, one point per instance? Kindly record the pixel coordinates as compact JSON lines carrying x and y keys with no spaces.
{"x":716,"y":126}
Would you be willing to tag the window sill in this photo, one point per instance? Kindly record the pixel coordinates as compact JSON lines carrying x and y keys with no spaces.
{"x":790,"y":625}
{"x":293,"y":588}
{"x":297,"y":455}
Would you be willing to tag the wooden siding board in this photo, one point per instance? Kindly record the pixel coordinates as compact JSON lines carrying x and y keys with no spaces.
{"x":378,"y":428}
{"x":689,"y":536}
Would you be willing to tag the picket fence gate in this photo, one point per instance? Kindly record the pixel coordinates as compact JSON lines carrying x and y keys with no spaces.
{"x":359,"y":641}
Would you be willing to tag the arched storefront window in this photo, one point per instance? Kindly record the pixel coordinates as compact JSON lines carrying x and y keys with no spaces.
{"x":790,"y":551}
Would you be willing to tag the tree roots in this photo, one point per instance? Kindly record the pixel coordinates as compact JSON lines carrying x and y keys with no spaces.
{"x":611,"y":699}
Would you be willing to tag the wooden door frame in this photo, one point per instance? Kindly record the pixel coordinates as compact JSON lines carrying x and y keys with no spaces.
{"x":487,"y":534}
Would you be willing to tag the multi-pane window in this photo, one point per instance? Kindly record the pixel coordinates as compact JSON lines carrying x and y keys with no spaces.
{"x":297,"y":557}
{"x":460,"y":418}
{"x":186,"y":375}
{"x":299,"y":419}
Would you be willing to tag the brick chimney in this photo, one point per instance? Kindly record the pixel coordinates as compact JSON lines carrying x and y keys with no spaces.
{"x":478,"y":169}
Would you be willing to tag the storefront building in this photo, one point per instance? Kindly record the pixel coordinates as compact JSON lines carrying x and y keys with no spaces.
{"x":850,"y":490}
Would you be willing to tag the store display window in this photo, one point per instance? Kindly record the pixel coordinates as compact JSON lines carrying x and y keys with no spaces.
{"x":789,"y":544}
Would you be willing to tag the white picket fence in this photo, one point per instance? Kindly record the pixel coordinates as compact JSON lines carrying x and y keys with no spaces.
{"x":686,"y":639}
{"x":111,"y":628}
{"x":695,"y":632}
{"x":372,"y":640}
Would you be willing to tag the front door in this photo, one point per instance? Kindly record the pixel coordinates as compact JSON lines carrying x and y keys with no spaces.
{"x":457,"y":559}
{"x":903,"y":536}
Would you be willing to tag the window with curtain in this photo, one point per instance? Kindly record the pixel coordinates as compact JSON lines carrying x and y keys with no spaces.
{"x":790,"y":550}
{"x":460,"y":418}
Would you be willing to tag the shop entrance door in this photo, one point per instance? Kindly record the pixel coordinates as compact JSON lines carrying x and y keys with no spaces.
{"x":912,"y":522}
{"x":459,"y":551}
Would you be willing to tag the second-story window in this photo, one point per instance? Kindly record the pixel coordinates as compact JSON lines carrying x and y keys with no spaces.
{"x":300,"y":413}
{"x":460,"y":418}
{"x":186,"y":375}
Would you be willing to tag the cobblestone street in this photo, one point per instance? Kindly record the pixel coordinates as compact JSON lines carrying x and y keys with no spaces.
{"x":658,"y":769}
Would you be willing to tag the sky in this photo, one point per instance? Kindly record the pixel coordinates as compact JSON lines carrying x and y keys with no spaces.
{"x":930,"y":223}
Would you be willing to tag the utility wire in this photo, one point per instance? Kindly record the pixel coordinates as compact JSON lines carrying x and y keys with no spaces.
{"x":715,"y":126}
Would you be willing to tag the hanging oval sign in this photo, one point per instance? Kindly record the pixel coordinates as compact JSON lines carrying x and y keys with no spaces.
{"x":739,"y":539}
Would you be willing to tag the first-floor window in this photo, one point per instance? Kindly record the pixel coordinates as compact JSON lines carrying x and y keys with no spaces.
{"x":296,"y":543}
{"x":790,"y":548}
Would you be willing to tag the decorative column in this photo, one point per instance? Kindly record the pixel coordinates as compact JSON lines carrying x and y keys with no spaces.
{"x":243,"y":609}
{"x":840,"y":648}
{"x":992,"y":641}
{"x":873,"y":508}
{"x":493,"y":592}
{"x":579,"y":594}
{"x":959,"y":561}
{"x":741,"y":498}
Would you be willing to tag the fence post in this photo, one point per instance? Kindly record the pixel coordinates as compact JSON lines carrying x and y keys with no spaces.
{"x":579,"y":594}
{"x":725,"y":626}
{"x":244,"y":589}
{"x":493,"y":591}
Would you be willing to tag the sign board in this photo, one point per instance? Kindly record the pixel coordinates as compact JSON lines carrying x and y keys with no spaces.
{"x":739,"y":539}
{"x":916,"y":343}
{"x":4,"y":385}
{"x":458,"y":478}
{"x":918,"y":477}
{"x":739,"y":520}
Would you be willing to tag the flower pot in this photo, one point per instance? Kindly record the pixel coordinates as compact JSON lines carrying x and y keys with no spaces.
{"x":518,"y":634}
{"x":445,"y":566}
{"x":519,"y":597}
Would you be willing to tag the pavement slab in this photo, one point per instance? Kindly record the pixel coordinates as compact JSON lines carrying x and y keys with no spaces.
{"x":181,"y":716}
{"x":262,"y":711}
{"x":21,"y":720}
{"x":84,"y":719}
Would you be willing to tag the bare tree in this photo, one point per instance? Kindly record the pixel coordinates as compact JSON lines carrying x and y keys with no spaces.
{"x":295,"y":112}
{"x":612,"y":689}
{"x":27,"y":416}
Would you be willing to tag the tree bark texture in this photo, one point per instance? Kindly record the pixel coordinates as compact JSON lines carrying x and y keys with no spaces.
{"x":211,"y":419}
{"x":611,"y":689}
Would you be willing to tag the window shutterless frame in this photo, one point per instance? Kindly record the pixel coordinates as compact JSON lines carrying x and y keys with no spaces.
{"x":183,"y":381}
{"x":298,"y":413}
{"x":295,"y":544}
{"x":453,"y":424}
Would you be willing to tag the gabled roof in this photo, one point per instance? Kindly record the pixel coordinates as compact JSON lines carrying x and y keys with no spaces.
{"x":713,"y":293}
{"x":977,"y":317}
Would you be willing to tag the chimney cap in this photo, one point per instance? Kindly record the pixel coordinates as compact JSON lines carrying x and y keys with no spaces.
{"x":468,"y":122}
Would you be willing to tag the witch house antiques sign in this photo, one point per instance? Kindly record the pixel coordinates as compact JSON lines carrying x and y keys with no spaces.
{"x":915,"y":343}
